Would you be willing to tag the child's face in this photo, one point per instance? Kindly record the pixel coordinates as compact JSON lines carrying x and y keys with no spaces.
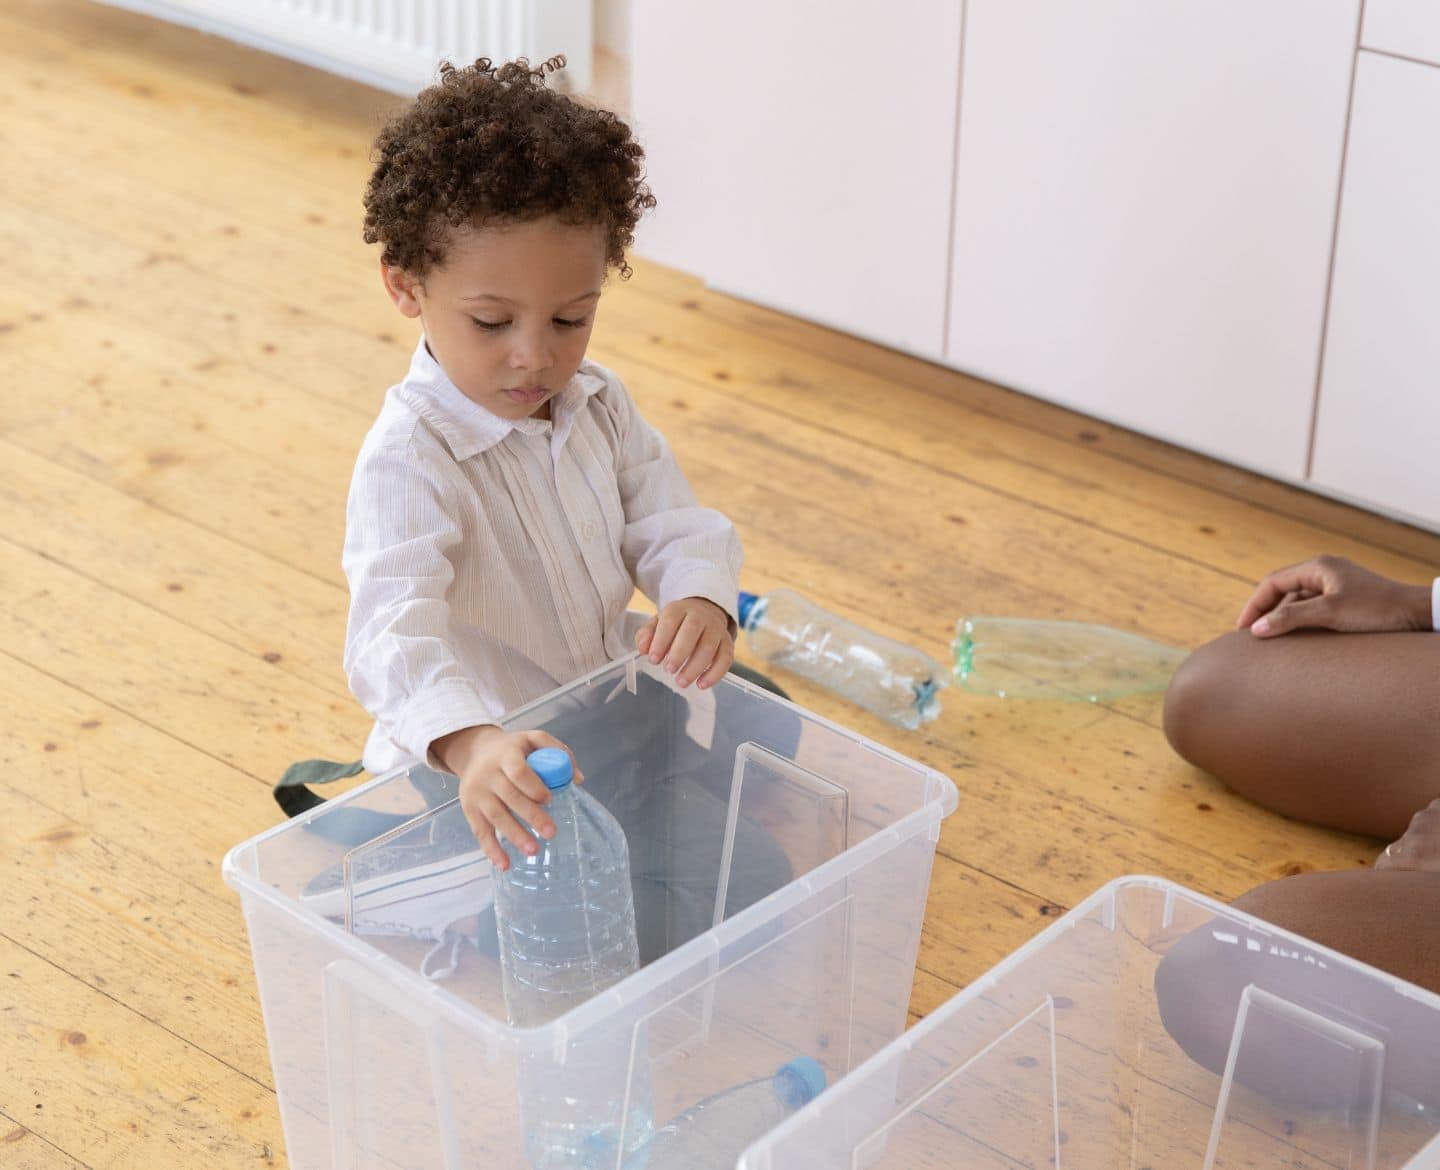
{"x":509,"y":313}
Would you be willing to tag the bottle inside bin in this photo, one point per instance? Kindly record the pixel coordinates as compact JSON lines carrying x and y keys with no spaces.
{"x":566,"y":922}
{"x":714,"y":1133}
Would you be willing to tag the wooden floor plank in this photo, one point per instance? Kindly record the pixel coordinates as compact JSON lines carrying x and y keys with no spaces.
{"x":24,"y":1149}
{"x":199,"y":342}
{"x":119,"y":922}
{"x":110,"y":1088}
{"x":1128,"y":495}
{"x":1286,"y":503}
{"x":223,"y":702}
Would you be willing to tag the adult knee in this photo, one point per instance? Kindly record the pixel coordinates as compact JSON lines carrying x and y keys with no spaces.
{"x":1198,"y":698}
{"x":1202,"y":982}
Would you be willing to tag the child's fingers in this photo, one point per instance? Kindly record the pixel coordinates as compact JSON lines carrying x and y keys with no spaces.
{"x":700,"y":658}
{"x":724,"y":657}
{"x":667,"y":622}
{"x":499,"y":815}
{"x":485,"y":834}
{"x":645,"y":635}
{"x":521,"y":778}
{"x":687,"y":640}
{"x":522,"y":805}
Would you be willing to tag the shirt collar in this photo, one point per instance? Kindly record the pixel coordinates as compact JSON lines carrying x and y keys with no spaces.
{"x":467,"y":427}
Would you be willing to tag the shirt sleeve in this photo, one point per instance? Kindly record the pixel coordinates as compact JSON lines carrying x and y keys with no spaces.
{"x":400,"y":527}
{"x":672,"y":547}
{"x":1435,"y":605}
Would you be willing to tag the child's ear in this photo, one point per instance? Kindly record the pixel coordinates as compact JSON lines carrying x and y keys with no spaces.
{"x":403,"y":289}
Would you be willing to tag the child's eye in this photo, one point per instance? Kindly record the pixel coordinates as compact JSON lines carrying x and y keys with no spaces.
{"x":572,"y":324}
{"x":491,"y":326}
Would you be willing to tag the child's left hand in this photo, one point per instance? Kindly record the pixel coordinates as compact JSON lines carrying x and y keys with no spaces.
{"x":693,"y":639}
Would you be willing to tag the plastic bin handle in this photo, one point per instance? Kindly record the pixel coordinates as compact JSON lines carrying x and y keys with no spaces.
{"x":344,"y":980}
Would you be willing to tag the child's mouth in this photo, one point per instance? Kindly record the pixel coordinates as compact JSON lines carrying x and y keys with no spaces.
{"x":528,"y":394}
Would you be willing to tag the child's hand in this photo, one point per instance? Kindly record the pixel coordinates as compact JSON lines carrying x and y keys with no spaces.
{"x":693,"y":638}
{"x":497,"y":785}
{"x":1331,"y":593}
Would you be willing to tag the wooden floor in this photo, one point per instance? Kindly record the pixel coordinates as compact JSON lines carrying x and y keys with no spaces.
{"x":193,"y":342}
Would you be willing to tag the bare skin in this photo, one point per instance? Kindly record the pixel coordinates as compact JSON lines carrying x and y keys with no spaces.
{"x":1328,"y":708}
{"x":1341,"y":730}
{"x":1324,"y":706}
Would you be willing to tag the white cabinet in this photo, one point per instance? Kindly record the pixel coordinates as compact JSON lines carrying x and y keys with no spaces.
{"x":802,"y":154}
{"x":1410,"y":28}
{"x":1124,"y":206}
{"x":1144,"y":211}
{"x":1378,"y":426}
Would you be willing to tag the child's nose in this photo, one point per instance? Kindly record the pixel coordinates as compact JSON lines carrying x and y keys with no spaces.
{"x":530,"y":353}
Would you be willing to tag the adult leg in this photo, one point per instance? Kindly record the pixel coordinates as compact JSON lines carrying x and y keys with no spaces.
{"x":1341,"y":730}
{"x":1389,"y":919}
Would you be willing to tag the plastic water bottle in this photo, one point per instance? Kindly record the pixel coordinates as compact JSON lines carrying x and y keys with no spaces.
{"x":713,"y":1134}
{"x":566,"y":921}
{"x":1019,"y":658}
{"x":895,"y":681}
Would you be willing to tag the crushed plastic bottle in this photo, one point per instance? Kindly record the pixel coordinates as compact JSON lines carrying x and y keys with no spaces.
{"x":886,"y":677}
{"x":1021,"y":658}
{"x":714,"y":1133}
{"x":566,"y":922}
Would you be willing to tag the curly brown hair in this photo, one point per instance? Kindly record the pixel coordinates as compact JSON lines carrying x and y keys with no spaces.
{"x":490,"y":143}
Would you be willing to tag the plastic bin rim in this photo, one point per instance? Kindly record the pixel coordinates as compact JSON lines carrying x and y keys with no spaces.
{"x":697,"y":951}
{"x":983,"y":984}
{"x":941,"y":799}
{"x":943,"y":788}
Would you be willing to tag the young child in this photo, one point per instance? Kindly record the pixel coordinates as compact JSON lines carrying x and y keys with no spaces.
{"x":510,"y":498}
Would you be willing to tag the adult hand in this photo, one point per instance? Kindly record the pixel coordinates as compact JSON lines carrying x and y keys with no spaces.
{"x":1332,"y":593}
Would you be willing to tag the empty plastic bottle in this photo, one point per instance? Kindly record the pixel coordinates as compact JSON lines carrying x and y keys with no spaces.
{"x":566,"y":921}
{"x":895,"y":681}
{"x":713,"y":1134}
{"x":1019,"y":658}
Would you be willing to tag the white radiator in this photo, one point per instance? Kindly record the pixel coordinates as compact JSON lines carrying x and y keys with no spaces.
{"x":394,"y":44}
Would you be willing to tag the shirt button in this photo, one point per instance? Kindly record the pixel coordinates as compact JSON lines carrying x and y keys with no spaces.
{"x":587,"y":530}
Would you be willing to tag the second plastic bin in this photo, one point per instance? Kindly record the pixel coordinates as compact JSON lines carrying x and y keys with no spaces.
{"x":780,"y":867}
{"x":1149,"y":1029}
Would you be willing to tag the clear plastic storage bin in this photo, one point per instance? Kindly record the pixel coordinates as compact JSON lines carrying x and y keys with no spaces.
{"x":1148,"y":1029}
{"x":780,"y":867}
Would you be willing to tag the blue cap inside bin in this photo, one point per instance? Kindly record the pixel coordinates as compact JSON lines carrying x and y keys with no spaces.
{"x":800,"y":1081}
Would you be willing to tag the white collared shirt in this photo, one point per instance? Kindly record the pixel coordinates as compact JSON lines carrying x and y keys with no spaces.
{"x":492,"y":560}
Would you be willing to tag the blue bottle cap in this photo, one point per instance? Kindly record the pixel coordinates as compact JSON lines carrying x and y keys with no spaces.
{"x":552,"y":766}
{"x":805,"y":1078}
{"x":747,"y":604}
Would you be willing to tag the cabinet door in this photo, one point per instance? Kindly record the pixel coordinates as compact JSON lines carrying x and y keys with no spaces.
{"x":1377,"y":434}
{"x":1409,"y":28}
{"x":803,"y":154}
{"x":1145,"y":208}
